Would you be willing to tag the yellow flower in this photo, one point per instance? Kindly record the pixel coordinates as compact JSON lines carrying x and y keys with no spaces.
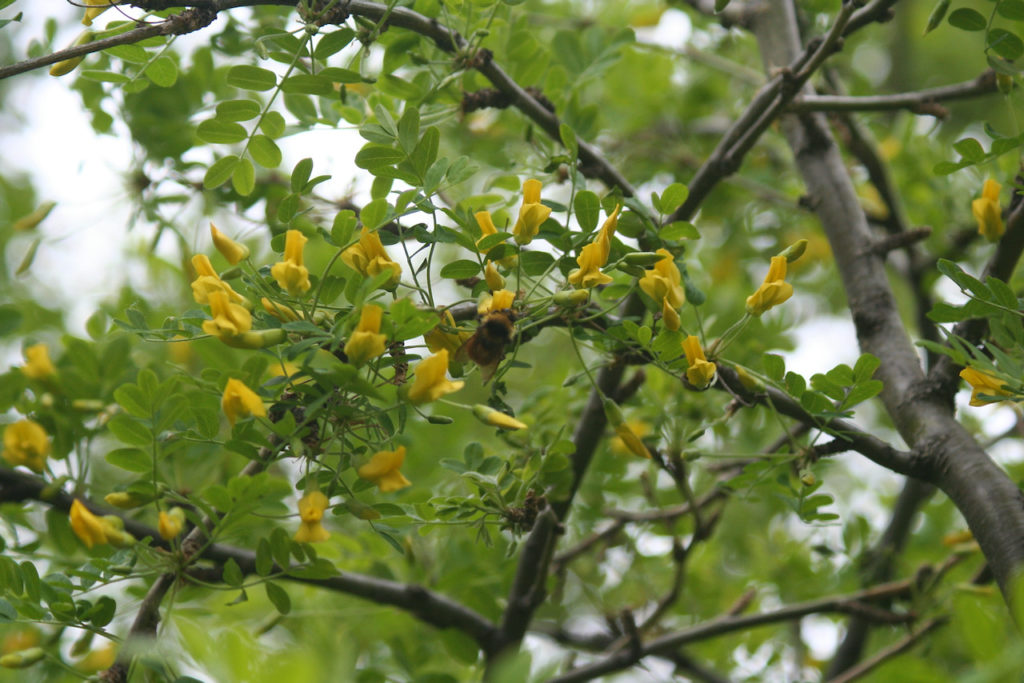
{"x":531,"y":214}
{"x":229,"y":320}
{"x":493,"y":278}
{"x":241,"y":401}
{"x":773,"y":291}
{"x":291,"y":275}
{"x":983,"y":383}
{"x":594,"y":256}
{"x":431,"y":381}
{"x":366,"y":341}
{"x":382,"y":470}
{"x":171,"y":523}
{"x":987,"y":212}
{"x":94,"y":8}
{"x":208,"y":281}
{"x":662,"y":283}
{"x":369,"y":257}
{"x":701,"y":372}
{"x":437,"y":339}
{"x":229,"y":249}
{"x":37,"y":362}
{"x":486,"y":223}
{"x":311,"y":511}
{"x":496,"y":418}
{"x":93,"y":530}
{"x":26,"y":443}
{"x":496,"y":301}
{"x":99,"y":659}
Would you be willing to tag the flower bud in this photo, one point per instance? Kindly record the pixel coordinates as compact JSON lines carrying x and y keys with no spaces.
{"x":255,"y":339}
{"x":22,"y":659}
{"x":125,"y":500}
{"x":440,"y":419}
{"x":794,"y":251}
{"x":496,"y":418}
{"x":571,"y":298}
{"x":68,"y":65}
{"x":642,"y":258}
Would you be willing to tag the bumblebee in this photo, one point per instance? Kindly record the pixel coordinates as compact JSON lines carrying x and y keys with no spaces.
{"x":487,"y":346}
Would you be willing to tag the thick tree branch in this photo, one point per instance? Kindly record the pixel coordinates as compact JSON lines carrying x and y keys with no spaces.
{"x":944,"y":452}
{"x":919,"y":102}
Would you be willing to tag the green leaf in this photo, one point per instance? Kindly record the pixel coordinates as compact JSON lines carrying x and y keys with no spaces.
{"x":865,"y":367}
{"x":264,"y":560}
{"x":244,"y":178}
{"x":265,"y":151}
{"x":273,"y":124}
{"x":679,"y":230}
{"x":162,"y":71}
{"x":130,"y":431}
{"x":374,"y":214}
{"x":220,"y":171}
{"x":332,"y":43}
{"x":343,"y":228}
{"x":1005,"y":44}
{"x":1011,"y":9}
{"x":969,"y":149}
{"x":220,"y":132}
{"x":458,"y":270}
{"x":673,"y":197}
{"x":863,"y":392}
{"x":307,"y":84}
{"x":134,"y":402}
{"x":373,"y":156}
{"x":103,"y":76}
{"x":238,"y":110}
{"x":587,"y":207}
{"x":534,"y":263}
{"x":232,"y":575}
{"x":249,"y":77}
{"x":774,"y":366}
{"x":721,"y":5}
{"x":279,"y":597}
{"x":131,"y":459}
{"x":568,"y":138}
{"x":967,"y":19}
{"x":300,"y":174}
{"x":409,"y":129}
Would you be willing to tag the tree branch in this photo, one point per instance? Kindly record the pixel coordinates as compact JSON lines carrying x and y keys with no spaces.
{"x":666,"y":645}
{"x":888,"y":653}
{"x":175,"y":25}
{"x":426,"y":605}
{"x":766,"y":106}
{"x":919,"y":102}
{"x":944,"y":453}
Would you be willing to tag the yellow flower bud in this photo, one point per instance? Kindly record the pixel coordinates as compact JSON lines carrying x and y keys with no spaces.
{"x":494,"y":279}
{"x":229,"y":249}
{"x":68,"y":65}
{"x":22,"y":659}
{"x":125,"y":500}
{"x":496,"y":418}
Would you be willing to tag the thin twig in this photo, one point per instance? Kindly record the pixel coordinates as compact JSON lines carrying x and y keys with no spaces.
{"x":900,"y":647}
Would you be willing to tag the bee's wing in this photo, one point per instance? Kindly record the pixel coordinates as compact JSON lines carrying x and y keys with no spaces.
{"x":487,"y":371}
